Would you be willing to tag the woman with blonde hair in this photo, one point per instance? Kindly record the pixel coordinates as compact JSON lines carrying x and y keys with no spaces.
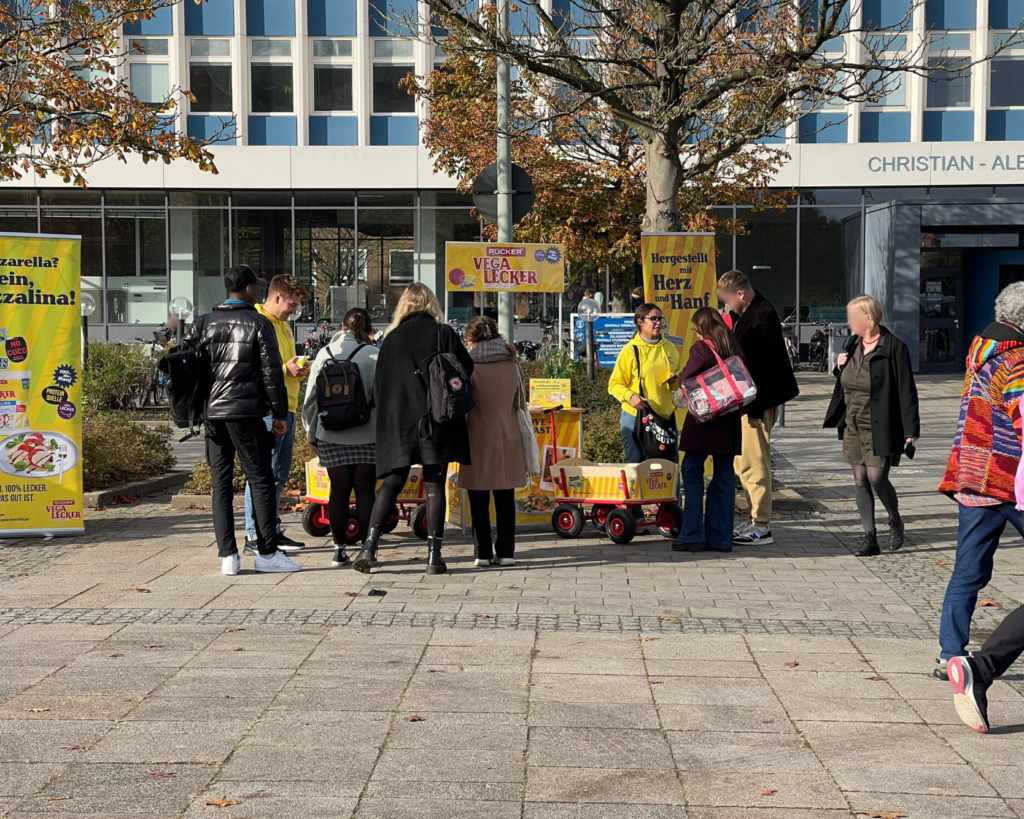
{"x":495,"y":442}
{"x":405,"y":436}
{"x":874,"y":407}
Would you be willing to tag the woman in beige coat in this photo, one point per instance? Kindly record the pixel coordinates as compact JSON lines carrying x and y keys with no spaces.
{"x":498,"y":465}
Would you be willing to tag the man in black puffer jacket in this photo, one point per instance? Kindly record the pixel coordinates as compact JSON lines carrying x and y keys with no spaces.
{"x":246,"y":383}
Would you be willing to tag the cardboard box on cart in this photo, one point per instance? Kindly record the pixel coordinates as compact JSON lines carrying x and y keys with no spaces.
{"x":318,"y":484}
{"x":653,"y":481}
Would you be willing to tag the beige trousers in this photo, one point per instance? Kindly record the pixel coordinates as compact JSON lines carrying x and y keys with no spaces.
{"x":754,"y":467}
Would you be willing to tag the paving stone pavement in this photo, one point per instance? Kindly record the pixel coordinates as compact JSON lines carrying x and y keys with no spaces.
{"x":590,"y":680}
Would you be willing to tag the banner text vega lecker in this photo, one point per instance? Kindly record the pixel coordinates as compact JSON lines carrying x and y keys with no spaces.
{"x":40,"y":385}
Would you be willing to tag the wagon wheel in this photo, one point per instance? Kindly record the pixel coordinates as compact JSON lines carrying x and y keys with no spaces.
{"x":621,"y":526}
{"x":670,"y":520}
{"x":599,"y":515}
{"x":418,"y":522}
{"x":567,"y":520}
{"x":352,"y":533}
{"x":314,"y":523}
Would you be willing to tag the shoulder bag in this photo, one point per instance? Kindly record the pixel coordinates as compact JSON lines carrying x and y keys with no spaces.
{"x":655,"y":436}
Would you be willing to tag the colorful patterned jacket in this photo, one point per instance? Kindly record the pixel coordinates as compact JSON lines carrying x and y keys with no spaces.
{"x":987,"y":446}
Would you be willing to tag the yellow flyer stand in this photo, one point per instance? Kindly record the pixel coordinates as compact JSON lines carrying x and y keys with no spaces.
{"x":410,"y":506}
{"x":559,"y":433}
{"x":40,"y":385}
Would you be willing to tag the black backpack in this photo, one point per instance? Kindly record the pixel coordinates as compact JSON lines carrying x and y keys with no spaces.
{"x":187,"y":381}
{"x":449,"y":393}
{"x":340,"y":397}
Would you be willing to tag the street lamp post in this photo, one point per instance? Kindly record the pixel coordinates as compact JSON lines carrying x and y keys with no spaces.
{"x":181,"y":309}
{"x":589,"y":310}
{"x":88,"y":308}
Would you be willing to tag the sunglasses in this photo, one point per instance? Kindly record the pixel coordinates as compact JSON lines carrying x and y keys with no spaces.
{"x":655,"y":319}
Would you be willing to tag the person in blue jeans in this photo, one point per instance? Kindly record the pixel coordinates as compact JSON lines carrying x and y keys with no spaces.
{"x":709,"y":528}
{"x":286,"y":294}
{"x":982,"y":468}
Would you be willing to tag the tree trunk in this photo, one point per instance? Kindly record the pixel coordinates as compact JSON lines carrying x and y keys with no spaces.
{"x":663,"y":174}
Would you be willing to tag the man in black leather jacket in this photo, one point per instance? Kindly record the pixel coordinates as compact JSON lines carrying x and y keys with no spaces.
{"x":246,"y":383}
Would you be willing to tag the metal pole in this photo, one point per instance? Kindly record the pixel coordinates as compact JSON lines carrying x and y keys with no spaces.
{"x":179,"y":331}
{"x":590,"y":350}
{"x":506,"y":301}
{"x":85,"y":342}
{"x":606,"y":307}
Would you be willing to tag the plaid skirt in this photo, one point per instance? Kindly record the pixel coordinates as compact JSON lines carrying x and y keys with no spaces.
{"x":334,"y":455}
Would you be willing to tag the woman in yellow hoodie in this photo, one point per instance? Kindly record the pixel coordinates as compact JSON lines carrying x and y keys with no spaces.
{"x":660,"y":361}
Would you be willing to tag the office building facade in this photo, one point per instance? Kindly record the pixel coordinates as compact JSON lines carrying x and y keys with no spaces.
{"x":918,"y":198}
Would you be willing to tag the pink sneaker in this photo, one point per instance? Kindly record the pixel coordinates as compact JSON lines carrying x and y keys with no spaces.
{"x":970,"y":699}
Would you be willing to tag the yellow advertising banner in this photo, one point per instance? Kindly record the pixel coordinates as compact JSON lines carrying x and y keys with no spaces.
{"x":506,"y":268}
{"x":40,"y":385}
{"x":679,"y":277}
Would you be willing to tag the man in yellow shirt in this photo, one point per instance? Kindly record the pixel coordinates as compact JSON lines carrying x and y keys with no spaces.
{"x":286,"y":294}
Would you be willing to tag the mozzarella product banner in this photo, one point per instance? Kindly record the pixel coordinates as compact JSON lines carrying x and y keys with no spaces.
{"x":40,"y":385}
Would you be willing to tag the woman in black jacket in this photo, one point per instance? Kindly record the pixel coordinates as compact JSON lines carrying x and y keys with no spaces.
{"x":874,"y":407}
{"x":404,"y":437}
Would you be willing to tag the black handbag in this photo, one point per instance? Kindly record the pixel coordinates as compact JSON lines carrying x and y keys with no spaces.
{"x":656,"y":437}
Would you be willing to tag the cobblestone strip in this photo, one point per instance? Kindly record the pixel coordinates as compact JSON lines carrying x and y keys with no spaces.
{"x":511,"y":622}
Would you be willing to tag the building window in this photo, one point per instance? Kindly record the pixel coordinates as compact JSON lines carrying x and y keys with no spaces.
{"x":333,"y":89}
{"x":210,"y":76}
{"x":149,"y":70}
{"x":273,"y":85}
{"x":401,"y":264}
{"x":887,"y":49}
{"x":392,"y":63}
{"x":1007,"y":85}
{"x":949,"y":77}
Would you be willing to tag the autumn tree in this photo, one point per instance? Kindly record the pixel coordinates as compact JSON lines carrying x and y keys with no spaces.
{"x":587,"y":169}
{"x":692,"y":85}
{"x":65,"y":103}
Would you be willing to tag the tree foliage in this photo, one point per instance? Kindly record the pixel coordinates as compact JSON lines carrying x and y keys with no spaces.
{"x":588,"y":170}
{"x":65,"y":103}
{"x":690,"y":86}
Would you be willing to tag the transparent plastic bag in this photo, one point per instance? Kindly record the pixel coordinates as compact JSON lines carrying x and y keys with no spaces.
{"x":724,"y":388}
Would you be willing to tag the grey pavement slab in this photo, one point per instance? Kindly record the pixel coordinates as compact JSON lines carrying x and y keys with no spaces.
{"x":590,"y":681}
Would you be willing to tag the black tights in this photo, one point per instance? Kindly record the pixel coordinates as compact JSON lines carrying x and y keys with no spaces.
{"x":362,"y":478}
{"x":872,"y":482}
{"x":433,"y":483}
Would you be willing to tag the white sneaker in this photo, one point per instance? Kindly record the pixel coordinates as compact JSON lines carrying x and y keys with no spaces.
{"x":230,"y":565}
{"x":504,"y":561}
{"x":742,"y":530}
{"x":482,"y":564}
{"x":754,"y":536}
{"x":277,"y":562}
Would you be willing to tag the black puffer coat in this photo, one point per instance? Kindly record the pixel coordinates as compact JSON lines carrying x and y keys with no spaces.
{"x":401,"y":397}
{"x":246,"y":376}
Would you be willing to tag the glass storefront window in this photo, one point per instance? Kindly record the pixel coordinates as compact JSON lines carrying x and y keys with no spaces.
{"x":85,"y":223}
{"x":325,"y":199}
{"x":263,"y":240}
{"x":326,"y":257}
{"x":830,"y":253}
{"x":767,"y":254}
{"x":198,"y":199}
{"x":387,"y":237}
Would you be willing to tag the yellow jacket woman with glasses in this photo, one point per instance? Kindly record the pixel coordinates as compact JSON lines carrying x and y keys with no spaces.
{"x":660,"y":361}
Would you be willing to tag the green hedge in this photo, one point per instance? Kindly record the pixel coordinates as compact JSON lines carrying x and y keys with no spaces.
{"x":199,"y":479}
{"x":116,"y":373}
{"x":116,"y":450}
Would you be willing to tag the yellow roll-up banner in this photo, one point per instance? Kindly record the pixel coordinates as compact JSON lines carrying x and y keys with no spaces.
{"x":679,"y":277}
{"x":504,"y":268}
{"x":40,"y":385}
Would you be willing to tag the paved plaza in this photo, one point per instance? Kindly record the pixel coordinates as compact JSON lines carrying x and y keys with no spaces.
{"x":590,"y":681}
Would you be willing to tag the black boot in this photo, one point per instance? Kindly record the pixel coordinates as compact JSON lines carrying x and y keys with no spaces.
{"x":869,"y":546}
{"x":896,"y":535}
{"x":368,"y":556}
{"x":341,"y":557}
{"x":435,"y":565}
